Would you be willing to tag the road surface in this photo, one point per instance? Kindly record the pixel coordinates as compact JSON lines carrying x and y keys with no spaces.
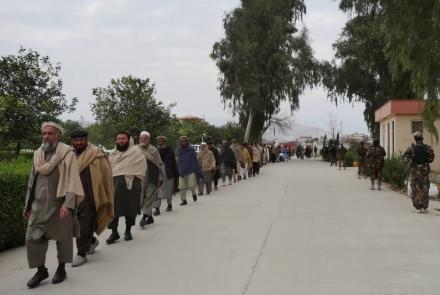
{"x":298,"y":228}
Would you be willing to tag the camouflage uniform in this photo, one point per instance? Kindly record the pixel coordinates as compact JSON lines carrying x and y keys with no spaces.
{"x":420,"y":155}
{"x":362,"y":152}
{"x":375,"y":159}
{"x":341,"y":153}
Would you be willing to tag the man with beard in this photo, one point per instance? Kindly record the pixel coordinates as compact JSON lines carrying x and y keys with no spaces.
{"x":228,"y":163}
{"x":207,"y":165}
{"x":96,"y":210}
{"x":189,"y":170}
{"x":362,"y":152}
{"x":216,"y":174}
{"x":171,"y":173}
{"x":153,"y":178}
{"x":54,"y":191}
{"x":128,"y":169}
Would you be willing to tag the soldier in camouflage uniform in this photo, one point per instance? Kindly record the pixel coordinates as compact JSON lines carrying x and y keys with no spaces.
{"x":362,"y":152}
{"x":376,"y":160}
{"x":420,"y":155}
{"x":341,"y":153}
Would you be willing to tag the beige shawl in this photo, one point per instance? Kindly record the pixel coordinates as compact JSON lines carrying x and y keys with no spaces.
{"x":102,"y":184}
{"x":206,"y":160}
{"x":64,"y":159}
{"x":130,"y":163}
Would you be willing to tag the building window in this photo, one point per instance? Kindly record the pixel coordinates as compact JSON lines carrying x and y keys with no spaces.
{"x":416,"y":126}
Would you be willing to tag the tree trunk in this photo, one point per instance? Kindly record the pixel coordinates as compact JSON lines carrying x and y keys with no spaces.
{"x":248,"y":127}
{"x":17,"y":149}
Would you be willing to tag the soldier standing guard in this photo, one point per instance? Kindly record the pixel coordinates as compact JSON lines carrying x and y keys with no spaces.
{"x":420,"y":155}
{"x":376,"y":160}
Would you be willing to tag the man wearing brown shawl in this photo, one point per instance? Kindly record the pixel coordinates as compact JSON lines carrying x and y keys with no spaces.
{"x":207,"y":165}
{"x":96,"y":210}
{"x":153,"y":178}
{"x":54,"y":190}
{"x":128,"y":169}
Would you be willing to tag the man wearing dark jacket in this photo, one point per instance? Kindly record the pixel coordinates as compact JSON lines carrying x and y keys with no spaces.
{"x":228,"y":163}
{"x":171,"y":176}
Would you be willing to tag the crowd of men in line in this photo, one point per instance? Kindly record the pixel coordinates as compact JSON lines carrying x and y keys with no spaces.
{"x":78,"y":190}
{"x":371,"y":161}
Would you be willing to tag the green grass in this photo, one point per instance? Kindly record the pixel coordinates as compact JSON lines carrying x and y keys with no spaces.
{"x":20,"y":165}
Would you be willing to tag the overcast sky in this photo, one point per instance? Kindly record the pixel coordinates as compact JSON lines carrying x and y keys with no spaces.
{"x":168,"y":41}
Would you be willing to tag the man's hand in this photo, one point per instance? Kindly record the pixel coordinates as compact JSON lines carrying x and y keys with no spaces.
{"x":26,"y":214}
{"x":64,"y":212}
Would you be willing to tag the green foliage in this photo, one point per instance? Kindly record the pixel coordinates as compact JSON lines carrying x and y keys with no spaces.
{"x":129,"y":104}
{"x":349,"y":158}
{"x":411,"y":34}
{"x":396,"y":172}
{"x":361,"y":71}
{"x":263,"y":60}
{"x":13,"y":184}
{"x":30,"y":93}
{"x":69,"y":126}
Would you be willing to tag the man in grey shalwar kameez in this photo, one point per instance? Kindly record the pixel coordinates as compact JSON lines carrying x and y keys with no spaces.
{"x":54,"y":190}
{"x":153,"y":178}
{"x":128,"y":169}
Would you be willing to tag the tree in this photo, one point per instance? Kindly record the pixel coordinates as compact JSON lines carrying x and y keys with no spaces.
{"x":129,"y":104}
{"x":361,"y":71}
{"x":411,"y":31}
{"x":263,"y":61}
{"x":69,"y":126}
{"x":30,"y":93}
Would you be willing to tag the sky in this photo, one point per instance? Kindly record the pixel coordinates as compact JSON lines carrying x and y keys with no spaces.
{"x":168,"y":41}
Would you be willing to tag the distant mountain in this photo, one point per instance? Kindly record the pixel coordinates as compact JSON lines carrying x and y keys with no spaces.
{"x":293,"y":132}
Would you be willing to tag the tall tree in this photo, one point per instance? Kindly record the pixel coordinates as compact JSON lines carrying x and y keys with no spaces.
{"x":30,"y":93}
{"x":129,"y":104}
{"x":411,"y":31}
{"x":263,"y":61}
{"x":361,"y":71}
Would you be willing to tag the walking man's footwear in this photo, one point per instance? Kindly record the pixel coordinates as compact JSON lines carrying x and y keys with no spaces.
{"x":128,"y":236}
{"x":79,"y":260}
{"x":113,"y":238}
{"x":156,"y":212}
{"x":143,"y":221}
{"x":184,"y":203}
{"x":150,"y":220}
{"x":60,"y":274}
{"x":39,"y":276}
{"x":169,"y":208}
{"x":93,"y":246}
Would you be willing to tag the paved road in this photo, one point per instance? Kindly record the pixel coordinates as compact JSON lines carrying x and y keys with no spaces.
{"x":299,"y":228}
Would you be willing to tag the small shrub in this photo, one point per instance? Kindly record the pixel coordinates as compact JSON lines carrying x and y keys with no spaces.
{"x":395,"y":172}
{"x":13,"y":184}
{"x":349,"y":158}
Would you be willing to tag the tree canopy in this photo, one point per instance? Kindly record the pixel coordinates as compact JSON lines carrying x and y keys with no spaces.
{"x":128,"y":103}
{"x":411,"y":45}
{"x":30,"y":93}
{"x":263,"y":60}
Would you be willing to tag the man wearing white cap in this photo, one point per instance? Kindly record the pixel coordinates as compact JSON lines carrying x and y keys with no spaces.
{"x":54,"y":190}
{"x":153,"y":178}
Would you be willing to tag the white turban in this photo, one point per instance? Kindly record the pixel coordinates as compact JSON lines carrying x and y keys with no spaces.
{"x":53,"y":124}
{"x":145,"y":133}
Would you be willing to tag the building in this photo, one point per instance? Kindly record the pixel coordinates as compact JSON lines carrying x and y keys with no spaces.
{"x":399,"y":120}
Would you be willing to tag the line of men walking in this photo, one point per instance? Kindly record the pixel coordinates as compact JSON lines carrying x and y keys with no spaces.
{"x":77,"y":190}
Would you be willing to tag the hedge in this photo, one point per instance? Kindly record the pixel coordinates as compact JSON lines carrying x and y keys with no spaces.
{"x":13,"y":184}
{"x":395,"y":172}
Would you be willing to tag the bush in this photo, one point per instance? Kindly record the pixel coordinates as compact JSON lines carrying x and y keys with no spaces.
{"x":13,"y":184}
{"x":349,"y":158}
{"x":395,"y":172}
